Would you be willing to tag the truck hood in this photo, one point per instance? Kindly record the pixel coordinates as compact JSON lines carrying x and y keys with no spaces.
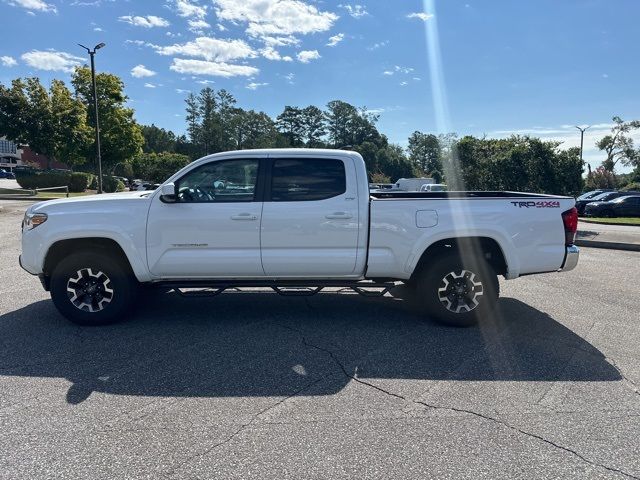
{"x":91,"y":200}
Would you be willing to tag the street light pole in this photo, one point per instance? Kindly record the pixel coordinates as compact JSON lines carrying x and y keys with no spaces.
{"x":582,"y":130}
{"x":95,"y":109}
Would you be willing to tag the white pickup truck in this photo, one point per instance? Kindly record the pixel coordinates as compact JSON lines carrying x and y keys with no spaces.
{"x":292,"y":218}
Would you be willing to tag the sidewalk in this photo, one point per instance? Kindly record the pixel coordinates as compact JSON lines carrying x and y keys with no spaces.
{"x":618,"y":237}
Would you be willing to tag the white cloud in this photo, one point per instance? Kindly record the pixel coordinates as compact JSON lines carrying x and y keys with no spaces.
{"x":185,"y":8}
{"x":288,"y":40}
{"x":403,"y":84}
{"x":275,"y":17}
{"x":198,"y":25}
{"x":140,"y":71}
{"x":290,"y":77}
{"x":271,"y":53}
{"x":182,"y":90}
{"x":335,"y":40}
{"x":97,"y":29}
{"x":378,"y":45}
{"x":211,"y":49}
{"x":31,"y":5}
{"x":421,"y":15}
{"x":149,"y":21}
{"x":398,"y":69}
{"x":139,"y":43}
{"x":149,"y":85}
{"x":8,"y":61}
{"x":255,"y":86}
{"x":216,"y":69}
{"x":356,"y":11}
{"x":51,"y":60}
{"x":305,"y":56}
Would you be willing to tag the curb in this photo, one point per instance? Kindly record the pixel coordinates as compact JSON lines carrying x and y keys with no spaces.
{"x":28,"y":199}
{"x":605,"y":223}
{"x":608,"y":245}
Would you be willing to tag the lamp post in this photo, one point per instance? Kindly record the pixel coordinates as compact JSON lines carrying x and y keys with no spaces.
{"x":582,"y":130}
{"x":95,"y":109}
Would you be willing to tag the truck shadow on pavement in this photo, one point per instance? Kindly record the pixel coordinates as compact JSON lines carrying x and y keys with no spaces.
{"x":260,"y":344}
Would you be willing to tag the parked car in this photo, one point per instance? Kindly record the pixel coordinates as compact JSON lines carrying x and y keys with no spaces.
{"x":627,"y":206}
{"x":292,"y":218}
{"x":594,"y":193}
{"x":6,"y":174}
{"x":603,"y":197}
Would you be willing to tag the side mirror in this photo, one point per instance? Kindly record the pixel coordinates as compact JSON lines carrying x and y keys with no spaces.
{"x":168,"y":193}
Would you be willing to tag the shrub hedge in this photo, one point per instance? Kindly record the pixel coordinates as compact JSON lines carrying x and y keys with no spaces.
{"x":43,"y":179}
{"x":110,"y":185}
{"x":80,"y":181}
{"x":76,"y":181}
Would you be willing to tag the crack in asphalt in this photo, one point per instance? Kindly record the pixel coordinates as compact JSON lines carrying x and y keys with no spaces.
{"x":466,"y":412}
{"x":241,"y":428}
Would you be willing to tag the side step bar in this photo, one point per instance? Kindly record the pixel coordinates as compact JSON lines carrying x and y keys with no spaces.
{"x":286,"y":288}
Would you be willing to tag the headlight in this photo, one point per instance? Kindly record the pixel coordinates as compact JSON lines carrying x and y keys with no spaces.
{"x":32,"y":220}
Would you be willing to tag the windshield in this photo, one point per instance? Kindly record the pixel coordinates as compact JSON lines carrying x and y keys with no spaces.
{"x":588,"y":195}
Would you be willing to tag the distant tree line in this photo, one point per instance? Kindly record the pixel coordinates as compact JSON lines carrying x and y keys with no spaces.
{"x":58,"y":122}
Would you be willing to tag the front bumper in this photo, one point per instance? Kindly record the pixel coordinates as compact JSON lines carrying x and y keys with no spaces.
{"x":570,"y":258}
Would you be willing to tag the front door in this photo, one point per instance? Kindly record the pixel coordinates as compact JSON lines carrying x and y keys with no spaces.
{"x":213,"y":229}
{"x":310,"y":218}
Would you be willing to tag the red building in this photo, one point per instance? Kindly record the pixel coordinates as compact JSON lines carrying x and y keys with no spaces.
{"x":29,"y":156}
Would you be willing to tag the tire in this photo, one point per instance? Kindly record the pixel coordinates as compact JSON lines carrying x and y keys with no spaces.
{"x":458,"y":293}
{"x":92,"y":288}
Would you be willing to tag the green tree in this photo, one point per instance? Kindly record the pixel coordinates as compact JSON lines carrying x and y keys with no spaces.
{"x":314,"y":128}
{"x":291,"y":124}
{"x":120,"y":136}
{"x":157,"y":139}
{"x":52,"y":122}
{"x":425,"y":152}
{"x":253,"y":130}
{"x":618,"y":146}
{"x":393,"y":163}
{"x":157,"y":167}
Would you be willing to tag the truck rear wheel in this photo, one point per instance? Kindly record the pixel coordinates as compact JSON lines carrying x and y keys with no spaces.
{"x":459,"y":293}
{"x":92,"y":288}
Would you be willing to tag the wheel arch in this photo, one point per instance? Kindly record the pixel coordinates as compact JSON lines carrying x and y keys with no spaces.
{"x":63,"y":248}
{"x":469,"y":246}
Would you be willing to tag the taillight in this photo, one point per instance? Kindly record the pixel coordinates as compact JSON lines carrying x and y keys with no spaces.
{"x":570,"y":220}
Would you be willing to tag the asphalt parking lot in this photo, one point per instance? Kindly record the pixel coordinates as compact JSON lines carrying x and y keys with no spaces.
{"x":253,"y":385}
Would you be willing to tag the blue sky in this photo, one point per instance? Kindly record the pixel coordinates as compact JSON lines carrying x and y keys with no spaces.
{"x":470,"y":66}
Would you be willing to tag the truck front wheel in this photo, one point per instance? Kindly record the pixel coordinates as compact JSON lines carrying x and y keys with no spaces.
{"x":92,"y":288}
{"x":459,"y":292}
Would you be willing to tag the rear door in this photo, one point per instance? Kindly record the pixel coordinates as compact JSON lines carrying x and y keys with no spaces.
{"x":310,"y":218}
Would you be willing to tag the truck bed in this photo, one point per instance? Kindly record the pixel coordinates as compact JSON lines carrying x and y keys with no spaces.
{"x":390,"y":194}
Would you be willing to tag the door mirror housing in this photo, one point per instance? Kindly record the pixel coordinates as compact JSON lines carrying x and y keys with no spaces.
{"x":168,"y":193}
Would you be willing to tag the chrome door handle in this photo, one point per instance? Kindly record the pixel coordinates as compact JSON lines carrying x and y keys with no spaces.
{"x":339,"y":215}
{"x":244,"y":216}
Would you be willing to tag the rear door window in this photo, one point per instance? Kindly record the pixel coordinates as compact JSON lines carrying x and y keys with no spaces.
{"x":295,"y":180}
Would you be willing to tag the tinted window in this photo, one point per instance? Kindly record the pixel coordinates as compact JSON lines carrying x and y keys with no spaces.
{"x":307,"y":179}
{"x":223,"y":181}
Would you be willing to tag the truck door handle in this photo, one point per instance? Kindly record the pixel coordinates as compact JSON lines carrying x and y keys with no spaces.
{"x":338,"y":215}
{"x":244,"y":216}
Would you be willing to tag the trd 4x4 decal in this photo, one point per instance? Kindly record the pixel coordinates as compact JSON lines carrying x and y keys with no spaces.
{"x":543,"y":204}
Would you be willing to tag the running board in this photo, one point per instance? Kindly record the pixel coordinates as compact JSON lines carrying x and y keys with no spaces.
{"x":286,"y":288}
